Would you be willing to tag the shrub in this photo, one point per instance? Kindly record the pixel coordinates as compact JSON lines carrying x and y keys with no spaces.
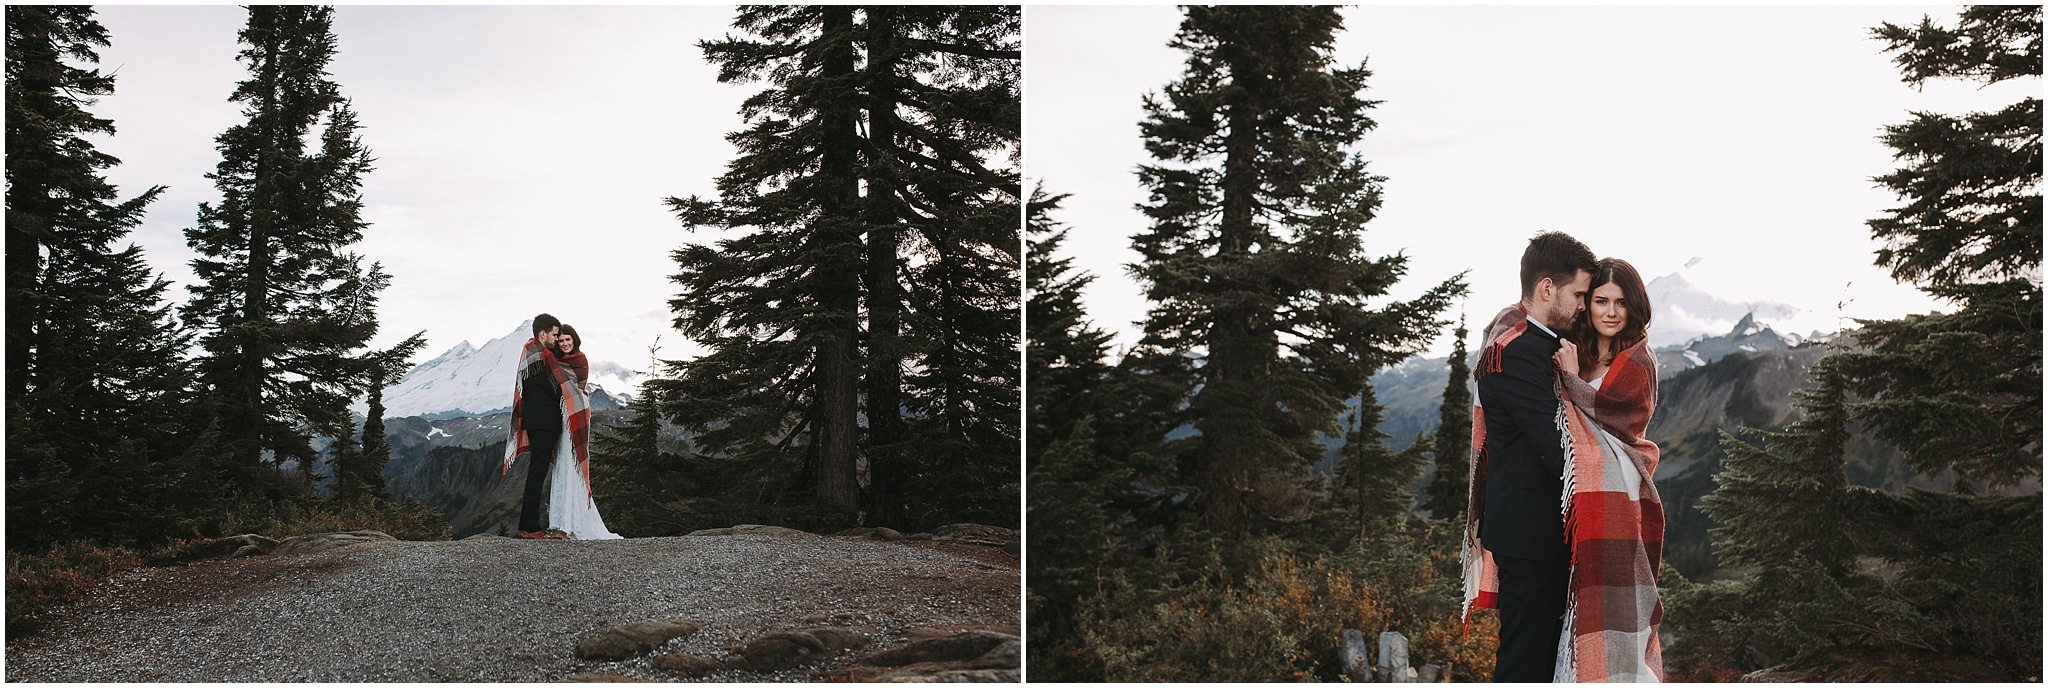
{"x":408,"y":521}
{"x":68,"y":569}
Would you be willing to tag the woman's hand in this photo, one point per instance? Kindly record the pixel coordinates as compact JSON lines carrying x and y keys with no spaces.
{"x":1567,"y":357}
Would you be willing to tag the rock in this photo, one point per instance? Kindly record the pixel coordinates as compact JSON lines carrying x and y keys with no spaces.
{"x":1393,"y":665}
{"x":922,"y":632}
{"x":231,"y":546}
{"x":749,"y":529}
{"x":485,"y":536}
{"x":976,"y":533}
{"x":594,"y":677}
{"x":959,"y":647}
{"x":975,"y":530}
{"x":626,"y":640}
{"x":918,"y":536}
{"x":690,"y":666}
{"x":1351,"y":658}
{"x":1433,"y":673}
{"x":1006,"y":655}
{"x":877,"y":533}
{"x":796,"y":647}
{"x":780,"y":650}
{"x":949,"y":676}
{"x":327,"y":542}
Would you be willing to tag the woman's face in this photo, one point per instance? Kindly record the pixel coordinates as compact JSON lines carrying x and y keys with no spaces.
{"x":1607,"y":310}
{"x":566,"y":344}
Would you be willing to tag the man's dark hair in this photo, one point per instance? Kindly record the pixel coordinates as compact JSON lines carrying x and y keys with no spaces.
{"x":548,"y":322}
{"x":1555,"y":255}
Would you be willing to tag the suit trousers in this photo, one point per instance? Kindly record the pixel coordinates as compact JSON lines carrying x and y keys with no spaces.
{"x":544,"y":443}
{"x":1532,"y":597}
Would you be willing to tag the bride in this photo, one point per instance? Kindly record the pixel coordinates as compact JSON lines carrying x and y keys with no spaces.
{"x":571,"y":506}
{"x":1617,"y":516}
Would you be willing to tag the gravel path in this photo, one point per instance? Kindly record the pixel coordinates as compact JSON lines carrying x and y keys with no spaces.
{"x":494,"y":609}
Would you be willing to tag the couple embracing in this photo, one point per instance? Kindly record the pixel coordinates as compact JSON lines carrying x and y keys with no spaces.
{"x":551,"y":428}
{"x":1565,"y":531}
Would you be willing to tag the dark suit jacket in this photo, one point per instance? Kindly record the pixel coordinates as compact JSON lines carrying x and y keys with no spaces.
{"x":1525,"y":460}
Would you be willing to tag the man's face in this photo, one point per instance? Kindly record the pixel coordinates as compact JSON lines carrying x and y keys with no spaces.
{"x":547,"y":337}
{"x":1570,"y":299}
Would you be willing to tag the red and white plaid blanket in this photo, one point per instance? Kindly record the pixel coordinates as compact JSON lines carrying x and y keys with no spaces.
{"x":572,"y":373}
{"x":1611,"y":513}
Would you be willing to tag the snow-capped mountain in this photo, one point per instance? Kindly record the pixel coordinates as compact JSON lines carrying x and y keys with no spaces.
{"x":474,"y":381}
{"x":1682,"y":312}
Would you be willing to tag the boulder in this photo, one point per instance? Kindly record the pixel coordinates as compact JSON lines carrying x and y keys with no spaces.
{"x":1393,"y":665}
{"x":595,"y":677}
{"x":689,"y":665}
{"x":878,"y":533}
{"x":1351,"y":657}
{"x":626,"y":640}
{"x":949,"y":676}
{"x":965,"y":646}
{"x":327,"y":542}
{"x":922,"y":632}
{"x":1434,"y":673}
{"x":975,"y":533}
{"x":749,"y":529}
{"x":231,"y":546}
{"x":796,"y":647}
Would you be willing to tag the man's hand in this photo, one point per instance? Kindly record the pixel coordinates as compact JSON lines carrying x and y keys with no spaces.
{"x":1567,"y":357}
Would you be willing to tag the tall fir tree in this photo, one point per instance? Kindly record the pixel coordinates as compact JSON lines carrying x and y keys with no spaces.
{"x":881,"y":241}
{"x":1065,"y":355}
{"x":1254,"y":258}
{"x":778,"y":308}
{"x":1841,"y":573}
{"x":1452,"y":448}
{"x":96,"y":375}
{"x":941,"y":199}
{"x":282,"y":302}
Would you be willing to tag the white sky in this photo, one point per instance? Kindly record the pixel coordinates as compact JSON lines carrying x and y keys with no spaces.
{"x":522,"y":155}
{"x":1743,"y":136}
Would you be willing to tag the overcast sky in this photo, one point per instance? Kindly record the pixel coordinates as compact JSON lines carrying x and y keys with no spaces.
{"x":1744,"y":137}
{"x":522,"y":154}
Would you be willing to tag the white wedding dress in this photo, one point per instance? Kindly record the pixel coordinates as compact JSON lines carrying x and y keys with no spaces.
{"x":570,"y":506}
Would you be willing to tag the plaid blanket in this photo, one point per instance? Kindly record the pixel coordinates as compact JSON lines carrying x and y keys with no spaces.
{"x":572,"y":372}
{"x":1611,"y":513}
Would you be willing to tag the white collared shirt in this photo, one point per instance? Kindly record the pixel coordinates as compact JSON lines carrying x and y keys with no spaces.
{"x":1532,"y":321}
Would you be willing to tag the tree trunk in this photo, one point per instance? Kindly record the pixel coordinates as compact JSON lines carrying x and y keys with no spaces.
{"x":835,"y":427}
{"x":884,"y":293}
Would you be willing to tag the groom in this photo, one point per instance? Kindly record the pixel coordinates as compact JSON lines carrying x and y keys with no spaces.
{"x":1522,"y":526}
{"x":536,"y":413}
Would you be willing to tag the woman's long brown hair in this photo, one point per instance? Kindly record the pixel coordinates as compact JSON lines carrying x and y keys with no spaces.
{"x":1635,"y":300}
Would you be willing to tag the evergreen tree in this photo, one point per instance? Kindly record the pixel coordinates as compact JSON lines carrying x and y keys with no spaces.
{"x":1074,"y":532}
{"x":941,"y":100}
{"x":281,"y":301}
{"x":1369,"y":495}
{"x":865,"y":182}
{"x":1064,"y":353}
{"x":1254,"y":258}
{"x":1448,"y":493}
{"x":1924,"y":574}
{"x":96,"y":376}
{"x":359,"y":467}
{"x":636,"y":481}
{"x":777,"y":308}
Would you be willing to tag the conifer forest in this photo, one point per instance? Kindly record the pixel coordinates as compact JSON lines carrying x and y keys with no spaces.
{"x":1234,"y":423}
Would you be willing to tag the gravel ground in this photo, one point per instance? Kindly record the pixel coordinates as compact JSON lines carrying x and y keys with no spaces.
{"x":495,"y":609}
